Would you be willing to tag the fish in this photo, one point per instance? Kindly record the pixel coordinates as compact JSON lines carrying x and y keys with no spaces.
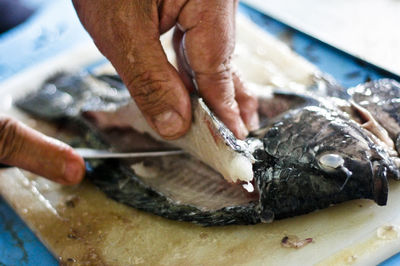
{"x":382,"y":99}
{"x":320,"y":158}
{"x":308,"y":154}
{"x":375,"y":105}
{"x":206,"y":137}
{"x":108,"y":107}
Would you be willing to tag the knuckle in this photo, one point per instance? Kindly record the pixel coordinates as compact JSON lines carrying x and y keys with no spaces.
{"x":218,"y":89}
{"x":150,"y":92}
{"x":215,"y":77}
{"x":9,"y":142}
{"x":212,"y":62}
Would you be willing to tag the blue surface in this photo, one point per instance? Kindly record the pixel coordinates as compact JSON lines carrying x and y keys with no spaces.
{"x":18,"y":245}
{"x":52,"y":29}
{"x":55,"y":28}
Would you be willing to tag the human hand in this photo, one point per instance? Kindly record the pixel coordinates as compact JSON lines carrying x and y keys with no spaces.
{"x":128,"y":32}
{"x":24,"y":147}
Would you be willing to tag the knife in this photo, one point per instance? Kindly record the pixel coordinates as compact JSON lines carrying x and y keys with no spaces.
{"x":104,"y":154}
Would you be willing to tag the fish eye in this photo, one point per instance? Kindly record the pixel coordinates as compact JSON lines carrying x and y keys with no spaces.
{"x":331,"y":161}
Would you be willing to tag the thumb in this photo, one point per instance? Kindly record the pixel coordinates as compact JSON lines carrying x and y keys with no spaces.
{"x":159,"y":92}
{"x":128,"y":34}
{"x":26,"y":148}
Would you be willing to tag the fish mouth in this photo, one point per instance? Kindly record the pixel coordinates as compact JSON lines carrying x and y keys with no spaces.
{"x":380,"y":182}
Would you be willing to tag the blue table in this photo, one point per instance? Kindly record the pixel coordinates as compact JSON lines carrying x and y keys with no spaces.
{"x":55,"y":28}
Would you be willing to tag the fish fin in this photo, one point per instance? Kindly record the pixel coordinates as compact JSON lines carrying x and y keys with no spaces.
{"x":381,"y":185}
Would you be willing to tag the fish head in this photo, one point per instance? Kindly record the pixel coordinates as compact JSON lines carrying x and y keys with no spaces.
{"x":331,"y":150}
{"x":369,"y":168}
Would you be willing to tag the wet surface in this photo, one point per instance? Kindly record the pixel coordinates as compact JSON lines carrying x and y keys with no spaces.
{"x":18,"y":245}
{"x":12,"y":233}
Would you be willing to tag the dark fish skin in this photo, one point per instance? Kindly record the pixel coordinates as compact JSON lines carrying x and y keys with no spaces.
{"x":382,"y":99}
{"x":120,"y":183}
{"x":325,"y":85}
{"x":312,"y":156}
{"x":293,"y":179}
{"x":115,"y":177}
{"x":66,"y":95}
{"x":117,"y":180}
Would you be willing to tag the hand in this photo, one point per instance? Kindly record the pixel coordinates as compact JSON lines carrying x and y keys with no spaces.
{"x":127,"y":33}
{"x":24,"y":147}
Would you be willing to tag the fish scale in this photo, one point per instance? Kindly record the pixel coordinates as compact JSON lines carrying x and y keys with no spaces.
{"x":289,"y":176}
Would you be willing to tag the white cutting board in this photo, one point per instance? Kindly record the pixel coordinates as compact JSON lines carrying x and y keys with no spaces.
{"x":79,"y":224}
{"x":368,"y":29}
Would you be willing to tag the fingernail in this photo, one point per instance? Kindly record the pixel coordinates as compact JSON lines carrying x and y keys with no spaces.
{"x":168,"y":123}
{"x":73,"y":171}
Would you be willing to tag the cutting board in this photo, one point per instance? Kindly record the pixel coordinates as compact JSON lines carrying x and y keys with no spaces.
{"x":80,"y":225}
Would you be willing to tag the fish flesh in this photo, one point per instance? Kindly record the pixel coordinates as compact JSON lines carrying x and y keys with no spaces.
{"x":108,"y":107}
{"x":311,"y":152}
{"x":206,"y":137}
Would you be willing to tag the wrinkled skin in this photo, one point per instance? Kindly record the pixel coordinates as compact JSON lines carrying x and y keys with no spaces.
{"x":24,"y":147}
{"x":312,"y":155}
{"x":127,"y":33}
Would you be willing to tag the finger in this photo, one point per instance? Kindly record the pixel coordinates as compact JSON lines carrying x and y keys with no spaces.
{"x":28,"y":149}
{"x":160,"y":94}
{"x":169,"y":11}
{"x":248,"y":103}
{"x":218,"y":92}
{"x":208,"y":43}
{"x":128,"y":33}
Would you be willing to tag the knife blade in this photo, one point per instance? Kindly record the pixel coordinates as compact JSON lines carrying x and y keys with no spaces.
{"x":104,"y":154}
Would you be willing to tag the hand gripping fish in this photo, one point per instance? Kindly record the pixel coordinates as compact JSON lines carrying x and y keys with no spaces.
{"x":310,"y":153}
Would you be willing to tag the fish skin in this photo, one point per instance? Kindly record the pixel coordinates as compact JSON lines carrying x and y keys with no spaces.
{"x":382,"y":99}
{"x":326,"y":85}
{"x":120,"y":183}
{"x":206,"y":129}
{"x":289,"y":179}
{"x":294,"y":181}
{"x":66,"y":95}
{"x":106,"y":101}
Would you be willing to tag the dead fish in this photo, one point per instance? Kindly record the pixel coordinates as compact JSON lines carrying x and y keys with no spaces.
{"x":306,"y":157}
{"x":382,"y":99}
{"x":375,"y":106}
{"x":112,"y":107}
{"x":206,"y":137}
{"x":316,"y":158}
